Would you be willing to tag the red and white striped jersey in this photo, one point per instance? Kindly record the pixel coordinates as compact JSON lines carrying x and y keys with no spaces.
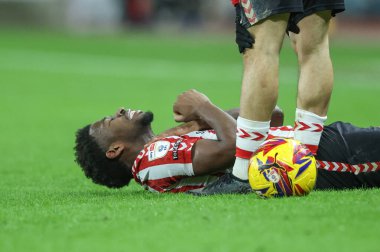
{"x":166,"y":165}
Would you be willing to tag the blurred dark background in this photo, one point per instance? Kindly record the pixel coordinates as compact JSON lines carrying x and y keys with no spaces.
{"x":106,"y":16}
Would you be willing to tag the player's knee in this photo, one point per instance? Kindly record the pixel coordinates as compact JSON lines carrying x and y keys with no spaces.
{"x":310,"y":51}
{"x":263,"y":61}
{"x":313,"y":37}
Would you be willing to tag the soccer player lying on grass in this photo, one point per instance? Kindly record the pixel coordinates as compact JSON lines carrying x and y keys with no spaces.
{"x":189,"y":158}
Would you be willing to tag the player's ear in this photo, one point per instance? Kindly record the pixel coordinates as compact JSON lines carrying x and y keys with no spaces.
{"x":115,"y":150}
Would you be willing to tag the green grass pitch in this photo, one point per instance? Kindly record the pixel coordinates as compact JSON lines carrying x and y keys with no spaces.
{"x":52,"y":84}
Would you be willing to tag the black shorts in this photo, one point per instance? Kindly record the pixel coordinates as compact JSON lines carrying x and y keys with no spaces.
{"x":254,"y":11}
{"x":350,"y":155}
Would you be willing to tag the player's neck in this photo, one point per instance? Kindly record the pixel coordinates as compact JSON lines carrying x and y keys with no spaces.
{"x":133,"y":151}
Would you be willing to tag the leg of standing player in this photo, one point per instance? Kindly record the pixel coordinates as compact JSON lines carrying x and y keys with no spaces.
{"x":259,"y":89}
{"x":267,"y":22}
{"x":316,"y":76}
{"x":315,"y":80}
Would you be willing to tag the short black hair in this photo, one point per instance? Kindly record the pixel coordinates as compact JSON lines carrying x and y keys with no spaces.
{"x":96,"y":166}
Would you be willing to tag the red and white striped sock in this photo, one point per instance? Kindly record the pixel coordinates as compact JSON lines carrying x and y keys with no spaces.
{"x":308,"y":129}
{"x":249,"y":135}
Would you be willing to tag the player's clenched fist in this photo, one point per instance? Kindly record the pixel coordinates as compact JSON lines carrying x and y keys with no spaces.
{"x":188,"y":105}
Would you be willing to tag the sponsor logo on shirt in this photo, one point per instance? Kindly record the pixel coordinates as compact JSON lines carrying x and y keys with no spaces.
{"x":175,"y":149}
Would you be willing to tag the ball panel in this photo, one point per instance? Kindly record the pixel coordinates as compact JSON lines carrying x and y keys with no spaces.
{"x":282,"y":167}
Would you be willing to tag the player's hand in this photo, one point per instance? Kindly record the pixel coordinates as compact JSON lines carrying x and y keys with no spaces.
{"x":188,"y":104}
{"x":243,"y":38}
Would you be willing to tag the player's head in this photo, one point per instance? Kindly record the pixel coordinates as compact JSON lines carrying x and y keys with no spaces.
{"x":106,"y":149}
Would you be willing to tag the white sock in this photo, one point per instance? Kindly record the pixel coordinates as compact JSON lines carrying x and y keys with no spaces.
{"x":249,"y":135}
{"x":242,"y":171}
{"x":308,"y":129}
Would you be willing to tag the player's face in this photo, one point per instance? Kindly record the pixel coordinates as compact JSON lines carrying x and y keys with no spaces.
{"x":124,"y":125}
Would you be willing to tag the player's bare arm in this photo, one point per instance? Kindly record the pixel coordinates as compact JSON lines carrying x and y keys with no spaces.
{"x":208,"y":155}
{"x":185,"y":128}
{"x":181,"y":129}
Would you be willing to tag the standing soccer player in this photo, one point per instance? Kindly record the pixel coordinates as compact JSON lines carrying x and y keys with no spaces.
{"x":267,"y":21}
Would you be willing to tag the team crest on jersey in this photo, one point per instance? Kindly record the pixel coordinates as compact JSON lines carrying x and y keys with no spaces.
{"x":158,"y":150}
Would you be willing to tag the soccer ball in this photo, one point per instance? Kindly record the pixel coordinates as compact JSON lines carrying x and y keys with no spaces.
{"x":282,"y":167}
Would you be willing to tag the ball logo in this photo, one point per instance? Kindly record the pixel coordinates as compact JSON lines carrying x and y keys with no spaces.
{"x":277,"y":174}
{"x":273,"y":176}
